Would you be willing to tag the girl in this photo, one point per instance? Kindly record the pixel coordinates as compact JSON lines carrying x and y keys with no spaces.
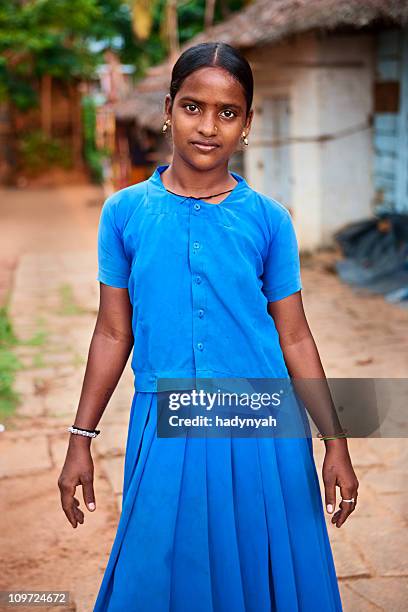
{"x":199,"y":274}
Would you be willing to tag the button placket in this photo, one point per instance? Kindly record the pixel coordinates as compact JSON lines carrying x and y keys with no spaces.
{"x":197,"y":253}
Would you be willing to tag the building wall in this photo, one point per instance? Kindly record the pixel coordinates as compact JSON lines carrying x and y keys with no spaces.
{"x":328,"y":82}
{"x":271,"y":171}
{"x":307,"y":164}
{"x":391,"y":121}
{"x":346,"y":108}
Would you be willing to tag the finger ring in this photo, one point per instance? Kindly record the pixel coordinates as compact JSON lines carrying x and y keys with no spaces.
{"x":348,"y":500}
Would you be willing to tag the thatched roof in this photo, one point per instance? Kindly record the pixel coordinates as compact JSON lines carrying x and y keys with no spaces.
{"x":263,"y":22}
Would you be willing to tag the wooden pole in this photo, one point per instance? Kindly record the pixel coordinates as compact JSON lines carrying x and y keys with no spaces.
{"x":76,"y":125}
{"x":46,"y":104}
{"x":209,"y":13}
{"x":172,"y":28}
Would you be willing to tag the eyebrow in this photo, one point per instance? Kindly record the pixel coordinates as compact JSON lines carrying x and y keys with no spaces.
{"x":185,"y":98}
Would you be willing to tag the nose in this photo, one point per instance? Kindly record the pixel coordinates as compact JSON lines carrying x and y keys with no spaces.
{"x":207,"y":126}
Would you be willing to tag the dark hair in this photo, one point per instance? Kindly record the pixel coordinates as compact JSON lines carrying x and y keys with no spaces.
{"x":213,"y":54}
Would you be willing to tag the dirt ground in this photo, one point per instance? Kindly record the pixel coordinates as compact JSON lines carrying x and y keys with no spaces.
{"x":41,"y":550}
{"x":357,"y":335}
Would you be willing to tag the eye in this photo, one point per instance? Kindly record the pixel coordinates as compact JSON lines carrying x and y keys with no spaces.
{"x":228,"y":110}
{"x":186,"y":105}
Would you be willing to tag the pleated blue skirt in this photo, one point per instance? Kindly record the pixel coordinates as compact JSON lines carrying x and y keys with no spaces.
{"x":218,"y":525}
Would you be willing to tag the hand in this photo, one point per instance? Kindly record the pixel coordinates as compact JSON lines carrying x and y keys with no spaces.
{"x":337,"y":470}
{"x":77,"y":470}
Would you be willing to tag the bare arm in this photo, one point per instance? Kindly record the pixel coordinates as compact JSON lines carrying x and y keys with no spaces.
{"x":109,"y":350}
{"x":295,"y":337}
{"x":303,"y":362}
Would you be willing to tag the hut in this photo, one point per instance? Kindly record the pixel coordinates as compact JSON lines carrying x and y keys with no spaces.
{"x":329,"y":138}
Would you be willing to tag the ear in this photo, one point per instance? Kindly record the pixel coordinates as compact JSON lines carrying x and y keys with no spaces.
{"x":167,"y":105}
{"x":249,"y":121}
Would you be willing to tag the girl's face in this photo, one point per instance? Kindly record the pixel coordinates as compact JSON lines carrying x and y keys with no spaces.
{"x":209,"y":107}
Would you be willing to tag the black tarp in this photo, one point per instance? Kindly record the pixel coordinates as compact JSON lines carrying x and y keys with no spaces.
{"x":375,"y":254}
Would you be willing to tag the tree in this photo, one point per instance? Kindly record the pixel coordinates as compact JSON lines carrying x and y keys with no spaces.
{"x":50,"y":37}
{"x":65,"y":39}
{"x":44,"y":40}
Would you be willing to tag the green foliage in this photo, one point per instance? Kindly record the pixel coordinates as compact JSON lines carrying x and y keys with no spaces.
{"x":7,"y":335}
{"x":9,"y":364}
{"x":93,"y":156}
{"x":43,"y":37}
{"x":68,"y":304}
{"x":59,"y":38}
{"x":55,"y":37}
{"x":37,"y":339}
{"x":39,"y":152}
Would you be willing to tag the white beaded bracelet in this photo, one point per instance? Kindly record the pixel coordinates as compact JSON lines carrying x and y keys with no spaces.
{"x":84,"y":432}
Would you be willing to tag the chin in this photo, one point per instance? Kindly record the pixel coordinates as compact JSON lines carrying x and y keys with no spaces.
{"x":200,"y":161}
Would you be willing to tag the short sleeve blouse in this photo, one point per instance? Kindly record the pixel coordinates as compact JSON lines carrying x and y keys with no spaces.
{"x":199,"y":277}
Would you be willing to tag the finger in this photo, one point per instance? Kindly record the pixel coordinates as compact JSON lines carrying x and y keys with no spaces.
{"x":346,"y":507}
{"x":330,"y":493}
{"x":335,"y":516}
{"x":353,"y":504}
{"x":343,"y":515}
{"x":88,"y":492}
{"x":351,"y":493}
{"x":68,"y":502}
{"x":79,"y":515}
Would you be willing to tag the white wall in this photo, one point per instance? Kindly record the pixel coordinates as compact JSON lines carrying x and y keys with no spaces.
{"x":346,"y":104}
{"x":329,"y":82}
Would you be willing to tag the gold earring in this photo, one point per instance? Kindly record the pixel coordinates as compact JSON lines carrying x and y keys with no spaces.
{"x":245,"y":139}
{"x":165,"y":125}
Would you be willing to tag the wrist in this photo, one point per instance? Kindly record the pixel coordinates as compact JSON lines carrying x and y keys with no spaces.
{"x":78,"y":440}
{"x":337,"y":443}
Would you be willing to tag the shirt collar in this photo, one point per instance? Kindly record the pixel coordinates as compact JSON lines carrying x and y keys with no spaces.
{"x":156,"y":181}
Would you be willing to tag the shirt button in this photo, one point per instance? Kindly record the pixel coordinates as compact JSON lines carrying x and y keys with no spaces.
{"x":201,"y":313}
{"x":196,"y":245}
{"x":200,"y":346}
{"x":198,"y":280}
{"x":197,"y":206}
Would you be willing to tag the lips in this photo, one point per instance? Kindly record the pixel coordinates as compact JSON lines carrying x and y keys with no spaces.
{"x":204,"y":147}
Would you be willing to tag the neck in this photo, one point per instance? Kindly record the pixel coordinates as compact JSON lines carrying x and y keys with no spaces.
{"x":184,"y":179}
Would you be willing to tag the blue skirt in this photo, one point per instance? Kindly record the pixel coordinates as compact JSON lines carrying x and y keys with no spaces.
{"x":218,"y":524}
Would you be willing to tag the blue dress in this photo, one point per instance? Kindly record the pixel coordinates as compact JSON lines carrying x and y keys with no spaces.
{"x":209,"y":524}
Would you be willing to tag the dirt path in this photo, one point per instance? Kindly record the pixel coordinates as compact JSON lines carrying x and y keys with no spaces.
{"x":50,"y":244}
{"x":55,"y":294}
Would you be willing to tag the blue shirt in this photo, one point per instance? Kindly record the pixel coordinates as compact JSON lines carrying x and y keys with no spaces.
{"x":199,"y":277}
